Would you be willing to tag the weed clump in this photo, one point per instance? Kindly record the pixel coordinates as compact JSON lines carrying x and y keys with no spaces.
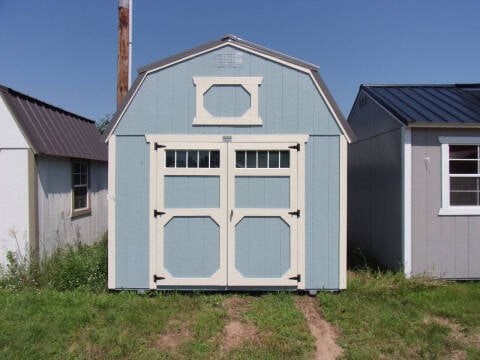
{"x":68,"y":268}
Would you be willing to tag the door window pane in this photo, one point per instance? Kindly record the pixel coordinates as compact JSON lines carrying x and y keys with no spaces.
{"x":284,"y":159}
{"x":262,"y":159}
{"x":170,"y":160}
{"x":214,"y":159}
{"x":203,"y":159}
{"x":181,"y":160}
{"x":251,"y":159}
{"x":192,"y":158}
{"x":273,"y":159}
{"x":240,"y":159}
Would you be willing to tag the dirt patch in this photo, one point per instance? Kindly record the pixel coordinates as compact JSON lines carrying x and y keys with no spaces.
{"x":175,"y":334}
{"x":323,"y":332}
{"x":457,"y":334}
{"x":237,"y":330}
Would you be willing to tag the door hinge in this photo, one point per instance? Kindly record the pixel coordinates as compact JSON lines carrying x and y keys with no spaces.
{"x":157,"y":146}
{"x":298,"y":278}
{"x":297,"y":147}
{"x":156,"y":278}
{"x":158,"y":213}
{"x":297,"y":213}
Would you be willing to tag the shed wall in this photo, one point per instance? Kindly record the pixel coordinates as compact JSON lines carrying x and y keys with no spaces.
{"x":14,"y":221}
{"x":56,"y":227}
{"x":375,"y":186}
{"x":289,"y":103}
{"x":442,"y":246}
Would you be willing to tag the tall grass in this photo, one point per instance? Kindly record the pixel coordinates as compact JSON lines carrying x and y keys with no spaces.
{"x":72,"y":267}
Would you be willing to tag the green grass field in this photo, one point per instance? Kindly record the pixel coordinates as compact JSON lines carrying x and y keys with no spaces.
{"x":60,"y":309}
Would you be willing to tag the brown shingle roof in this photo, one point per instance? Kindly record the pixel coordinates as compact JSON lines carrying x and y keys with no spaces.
{"x":53,"y":131}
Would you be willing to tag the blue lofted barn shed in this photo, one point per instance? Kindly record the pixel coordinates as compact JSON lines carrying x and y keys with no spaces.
{"x":227,"y":170}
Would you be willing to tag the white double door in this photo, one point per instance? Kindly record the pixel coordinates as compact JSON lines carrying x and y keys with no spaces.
{"x":225,"y":211}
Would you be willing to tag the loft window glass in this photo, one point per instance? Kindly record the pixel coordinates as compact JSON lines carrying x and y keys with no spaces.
{"x":464,"y":175}
{"x":272,"y":159}
{"x":192,"y":159}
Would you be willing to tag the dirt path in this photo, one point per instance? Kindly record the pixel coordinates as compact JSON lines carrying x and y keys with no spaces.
{"x":323,"y":332}
{"x":236,"y":330}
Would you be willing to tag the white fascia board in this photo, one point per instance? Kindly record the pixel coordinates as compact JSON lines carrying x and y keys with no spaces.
{"x":111,"y":211}
{"x":407,"y":200}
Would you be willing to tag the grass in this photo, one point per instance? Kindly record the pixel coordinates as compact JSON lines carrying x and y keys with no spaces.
{"x":383,"y":315}
{"x":60,"y":309}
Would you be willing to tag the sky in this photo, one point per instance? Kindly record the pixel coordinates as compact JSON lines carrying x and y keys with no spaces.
{"x":64,"y":52}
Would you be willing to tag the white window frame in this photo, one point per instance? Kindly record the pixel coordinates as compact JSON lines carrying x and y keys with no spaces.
{"x":249,"y":83}
{"x":446,"y":208}
{"x":85,"y":210}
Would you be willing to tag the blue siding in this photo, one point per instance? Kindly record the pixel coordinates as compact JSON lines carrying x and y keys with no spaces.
{"x":131,"y":216}
{"x":262,"y":192}
{"x":262,"y":247}
{"x":288,"y":100}
{"x":322,"y":223}
{"x":226,"y":100}
{"x":192,"y":246}
{"x":192,"y":192}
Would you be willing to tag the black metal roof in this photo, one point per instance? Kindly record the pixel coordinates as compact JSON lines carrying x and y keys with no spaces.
{"x":231,"y":39}
{"x":429,"y":104}
{"x":51,"y":130}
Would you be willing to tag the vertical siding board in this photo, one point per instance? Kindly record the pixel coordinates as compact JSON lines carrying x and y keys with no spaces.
{"x":474,"y":247}
{"x":132,"y":218}
{"x":322,"y":212}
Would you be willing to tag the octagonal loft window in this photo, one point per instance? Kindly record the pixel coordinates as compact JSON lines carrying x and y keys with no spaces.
{"x":227,"y":100}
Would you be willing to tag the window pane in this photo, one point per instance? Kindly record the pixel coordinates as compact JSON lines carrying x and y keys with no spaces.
{"x":273,"y":159}
{"x":215,"y":159}
{"x":463,"y":167}
{"x":203,"y":159}
{"x":251,"y":159}
{"x":80,"y":198}
{"x":463,"y":152}
{"x":285,"y":159}
{"x":76,"y":168}
{"x":240,"y":159}
{"x":262,"y":159}
{"x":76,"y":179}
{"x":181,"y":158}
{"x":462,"y":183}
{"x":170,"y":161}
{"x":464,"y":198}
{"x":192,"y":158}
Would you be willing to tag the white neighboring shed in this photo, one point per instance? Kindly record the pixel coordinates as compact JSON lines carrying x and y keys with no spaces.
{"x":54,"y":177}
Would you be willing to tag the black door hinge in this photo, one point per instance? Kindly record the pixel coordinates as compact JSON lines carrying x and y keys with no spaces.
{"x":298,"y":278}
{"x":297,"y":213}
{"x":158,"y":213}
{"x":157,"y":146}
{"x":156,"y":278}
{"x":297,"y":147}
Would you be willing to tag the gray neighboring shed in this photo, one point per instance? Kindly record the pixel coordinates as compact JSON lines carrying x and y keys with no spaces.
{"x":53,"y":191}
{"x":414,"y":178}
{"x":227,"y":170}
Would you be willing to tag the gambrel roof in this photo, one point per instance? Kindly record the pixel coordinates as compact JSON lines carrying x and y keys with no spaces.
{"x":51,"y":130}
{"x":429,"y":104}
{"x":232,"y":40}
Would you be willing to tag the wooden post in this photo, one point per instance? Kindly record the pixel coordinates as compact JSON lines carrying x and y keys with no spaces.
{"x":123,"y":39}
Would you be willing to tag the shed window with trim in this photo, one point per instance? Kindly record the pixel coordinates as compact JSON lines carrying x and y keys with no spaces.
{"x":461,"y":176}
{"x":80,"y":187}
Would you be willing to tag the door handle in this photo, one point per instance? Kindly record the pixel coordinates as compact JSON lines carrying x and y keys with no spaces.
{"x":231,"y":214}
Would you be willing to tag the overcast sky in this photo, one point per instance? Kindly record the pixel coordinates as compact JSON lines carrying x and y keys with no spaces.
{"x":65,"y":52}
